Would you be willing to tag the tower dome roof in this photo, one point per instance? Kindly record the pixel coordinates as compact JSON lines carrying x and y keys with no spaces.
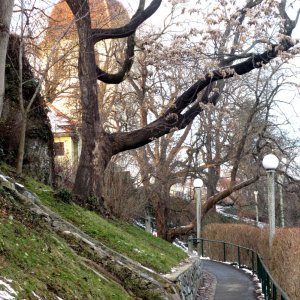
{"x":104,"y":14}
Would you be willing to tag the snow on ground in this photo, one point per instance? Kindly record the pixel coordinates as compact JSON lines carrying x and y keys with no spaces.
{"x":221,"y":210}
{"x":6,"y":291}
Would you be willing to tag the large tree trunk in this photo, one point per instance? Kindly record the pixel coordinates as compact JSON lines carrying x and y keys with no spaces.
{"x":89,"y":181}
{"x":96,"y":147}
{"x":161,"y":204}
{"x":6,"y":7}
{"x":161,"y":217}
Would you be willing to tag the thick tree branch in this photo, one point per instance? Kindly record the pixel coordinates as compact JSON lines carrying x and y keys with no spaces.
{"x":211,"y":201}
{"x":172,"y":119}
{"x":128,"y":29}
{"x":129,"y":56}
{"x":127,"y":64}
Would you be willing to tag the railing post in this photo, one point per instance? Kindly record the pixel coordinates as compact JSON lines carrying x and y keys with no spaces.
{"x":258,"y":267}
{"x":202,"y":248}
{"x":268,"y":288}
{"x":224,"y":251}
{"x":239,"y":256}
{"x":252,"y":259}
{"x":190,"y":245}
{"x":274,"y":294}
{"x":264,"y":282}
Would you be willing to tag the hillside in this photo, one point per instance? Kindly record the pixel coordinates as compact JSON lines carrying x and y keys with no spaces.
{"x":51,"y":249}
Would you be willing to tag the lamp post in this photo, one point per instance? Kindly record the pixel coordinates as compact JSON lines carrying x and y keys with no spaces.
{"x":256,"y":207}
{"x":280,"y":181}
{"x":198,"y":183}
{"x":148,"y":226}
{"x":270,"y":163}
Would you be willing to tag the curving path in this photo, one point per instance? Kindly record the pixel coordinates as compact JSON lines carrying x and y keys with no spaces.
{"x":231,"y":283}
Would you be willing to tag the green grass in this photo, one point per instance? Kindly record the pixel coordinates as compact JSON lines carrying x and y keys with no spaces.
{"x":122,"y":237}
{"x":40,"y":262}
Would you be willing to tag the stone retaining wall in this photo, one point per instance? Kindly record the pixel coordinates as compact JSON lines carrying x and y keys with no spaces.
{"x":188,"y":278}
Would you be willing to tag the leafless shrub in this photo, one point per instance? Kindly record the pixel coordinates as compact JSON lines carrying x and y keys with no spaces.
{"x":64,"y":174}
{"x":122,"y":197}
{"x":285,"y":262}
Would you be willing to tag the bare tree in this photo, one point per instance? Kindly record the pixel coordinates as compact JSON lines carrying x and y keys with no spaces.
{"x":6,"y":8}
{"x":98,"y":146}
{"x":26,"y":17}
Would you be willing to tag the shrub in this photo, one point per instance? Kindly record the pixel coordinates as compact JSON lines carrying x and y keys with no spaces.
{"x":64,"y":195}
{"x":285,"y":260}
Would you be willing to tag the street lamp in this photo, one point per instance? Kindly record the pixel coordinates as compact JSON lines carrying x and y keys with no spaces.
{"x":270,"y":163}
{"x":280,"y":181}
{"x":198,"y":183}
{"x":256,"y":207}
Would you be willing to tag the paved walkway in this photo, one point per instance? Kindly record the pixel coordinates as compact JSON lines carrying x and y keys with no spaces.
{"x":232,"y":283}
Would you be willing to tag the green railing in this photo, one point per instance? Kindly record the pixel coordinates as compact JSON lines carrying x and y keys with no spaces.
{"x":243,"y":257}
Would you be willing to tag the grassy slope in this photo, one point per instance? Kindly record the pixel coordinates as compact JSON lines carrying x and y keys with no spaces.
{"x":41,"y":262}
{"x":122,"y":237}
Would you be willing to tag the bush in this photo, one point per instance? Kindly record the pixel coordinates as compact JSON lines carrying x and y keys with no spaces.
{"x":240,"y":234}
{"x":285,"y":260}
{"x":64,"y":195}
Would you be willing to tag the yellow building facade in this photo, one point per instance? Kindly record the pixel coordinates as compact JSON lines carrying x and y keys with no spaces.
{"x":66,"y":137}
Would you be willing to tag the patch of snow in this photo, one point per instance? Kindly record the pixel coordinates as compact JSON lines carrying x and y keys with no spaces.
{"x":6,"y":291}
{"x":36,"y":295}
{"x":220,"y":209}
{"x":205,"y":257}
{"x":194,"y":253}
{"x":150,"y":270}
{"x":3,"y":178}
{"x":19,"y":185}
{"x":6,"y":296}
{"x":181,"y":245}
{"x":139,"y":224}
{"x":58,"y":298}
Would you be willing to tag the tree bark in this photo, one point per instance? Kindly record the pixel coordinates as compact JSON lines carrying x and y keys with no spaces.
{"x":161,"y":204}
{"x":96,"y":146}
{"x":6,"y":7}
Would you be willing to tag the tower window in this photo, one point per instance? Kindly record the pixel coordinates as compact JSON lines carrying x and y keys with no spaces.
{"x":59,"y":149}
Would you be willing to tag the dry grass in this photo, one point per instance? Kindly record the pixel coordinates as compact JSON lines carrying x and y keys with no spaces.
{"x":284,"y":263}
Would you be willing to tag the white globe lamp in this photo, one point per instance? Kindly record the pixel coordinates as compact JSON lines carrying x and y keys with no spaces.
{"x":198,"y":183}
{"x":270,"y":162}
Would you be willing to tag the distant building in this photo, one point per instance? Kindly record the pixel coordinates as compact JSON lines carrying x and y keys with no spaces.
{"x":61,"y":87}
{"x":66,"y":136}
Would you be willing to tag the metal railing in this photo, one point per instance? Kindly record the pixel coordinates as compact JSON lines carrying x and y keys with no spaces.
{"x":243,"y":257}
